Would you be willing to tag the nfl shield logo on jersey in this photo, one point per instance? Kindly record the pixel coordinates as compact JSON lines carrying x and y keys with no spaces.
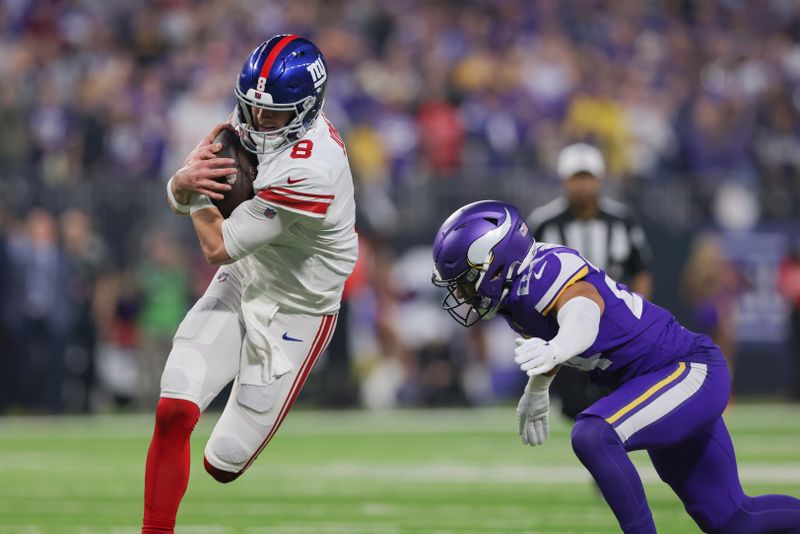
{"x":270,"y":213}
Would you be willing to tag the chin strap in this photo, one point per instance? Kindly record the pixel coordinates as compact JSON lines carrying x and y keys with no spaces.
{"x":509,"y":281}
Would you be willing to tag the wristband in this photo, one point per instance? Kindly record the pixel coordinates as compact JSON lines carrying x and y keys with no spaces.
{"x":177,"y":206}
{"x":539,"y":383}
{"x":199,"y":202}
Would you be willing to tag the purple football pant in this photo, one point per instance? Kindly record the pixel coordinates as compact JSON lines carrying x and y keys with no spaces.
{"x":675,"y":414}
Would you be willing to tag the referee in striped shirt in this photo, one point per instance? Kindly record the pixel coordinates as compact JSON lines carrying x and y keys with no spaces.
{"x":604,"y":232}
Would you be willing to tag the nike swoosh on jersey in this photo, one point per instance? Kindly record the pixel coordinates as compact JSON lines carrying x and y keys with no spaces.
{"x":541,"y":270}
{"x":296,"y":180}
{"x":287,"y":337}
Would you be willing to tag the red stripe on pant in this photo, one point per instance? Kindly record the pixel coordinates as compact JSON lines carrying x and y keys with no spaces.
{"x":321,"y":341}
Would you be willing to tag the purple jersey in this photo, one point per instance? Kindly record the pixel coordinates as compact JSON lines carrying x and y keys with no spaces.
{"x":635,"y":336}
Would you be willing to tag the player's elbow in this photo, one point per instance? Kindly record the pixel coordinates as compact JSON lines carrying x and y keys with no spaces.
{"x":217,"y":255}
{"x":219,"y":259}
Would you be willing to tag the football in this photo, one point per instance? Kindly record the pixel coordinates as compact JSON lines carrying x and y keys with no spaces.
{"x":246,"y":167}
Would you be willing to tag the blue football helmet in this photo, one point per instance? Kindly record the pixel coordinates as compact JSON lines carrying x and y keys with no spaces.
{"x":476,"y":254}
{"x":286,"y":73}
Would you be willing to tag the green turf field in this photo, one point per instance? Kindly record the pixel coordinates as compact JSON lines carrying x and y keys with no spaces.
{"x":350,"y":473}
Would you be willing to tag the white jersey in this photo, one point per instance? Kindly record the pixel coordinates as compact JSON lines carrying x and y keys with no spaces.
{"x":303,"y":269}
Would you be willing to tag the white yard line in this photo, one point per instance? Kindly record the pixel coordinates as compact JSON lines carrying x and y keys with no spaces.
{"x":749,"y":472}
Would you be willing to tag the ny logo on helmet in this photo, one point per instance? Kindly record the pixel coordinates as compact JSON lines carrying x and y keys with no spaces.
{"x":317,"y":71}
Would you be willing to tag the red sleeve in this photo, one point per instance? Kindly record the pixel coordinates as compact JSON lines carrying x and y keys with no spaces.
{"x":313,"y":204}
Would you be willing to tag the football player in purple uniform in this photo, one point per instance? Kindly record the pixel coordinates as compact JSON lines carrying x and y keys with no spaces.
{"x":670,"y":385}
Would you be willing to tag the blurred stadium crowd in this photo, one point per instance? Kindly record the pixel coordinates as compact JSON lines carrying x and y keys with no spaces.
{"x":696,"y":106}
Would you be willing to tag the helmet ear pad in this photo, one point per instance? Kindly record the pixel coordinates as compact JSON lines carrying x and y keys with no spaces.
{"x":497,"y":272}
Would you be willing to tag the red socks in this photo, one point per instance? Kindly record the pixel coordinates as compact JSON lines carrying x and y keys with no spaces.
{"x":167,"y":472}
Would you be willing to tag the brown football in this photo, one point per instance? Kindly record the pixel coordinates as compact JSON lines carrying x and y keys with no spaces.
{"x":246,"y":166}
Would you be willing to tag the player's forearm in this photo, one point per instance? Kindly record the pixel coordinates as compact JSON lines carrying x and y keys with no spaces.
{"x":208,"y":225}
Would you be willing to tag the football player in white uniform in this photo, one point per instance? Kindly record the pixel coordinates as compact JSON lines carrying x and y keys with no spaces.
{"x":284,"y":254}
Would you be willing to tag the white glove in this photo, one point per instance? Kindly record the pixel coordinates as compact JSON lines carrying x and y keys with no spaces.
{"x":533,"y":416}
{"x":536,"y":356}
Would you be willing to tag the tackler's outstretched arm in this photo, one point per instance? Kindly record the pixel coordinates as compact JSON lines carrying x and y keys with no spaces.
{"x":579,"y":310}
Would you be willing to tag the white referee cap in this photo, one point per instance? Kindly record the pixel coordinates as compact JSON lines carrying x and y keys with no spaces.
{"x":580,"y":157}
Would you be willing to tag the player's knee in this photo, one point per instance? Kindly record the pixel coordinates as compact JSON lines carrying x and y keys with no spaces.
{"x":229,"y":452}
{"x":220,"y":475}
{"x":184,"y":372}
{"x":591,"y":434}
{"x":174,"y":380}
{"x":740,"y":522}
{"x":706,"y":523}
{"x":176,"y":416}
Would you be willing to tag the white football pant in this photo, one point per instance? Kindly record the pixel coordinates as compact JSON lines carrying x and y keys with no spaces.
{"x":205,"y":357}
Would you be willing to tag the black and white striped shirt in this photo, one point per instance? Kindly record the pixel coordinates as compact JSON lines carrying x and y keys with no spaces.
{"x":612,"y":241}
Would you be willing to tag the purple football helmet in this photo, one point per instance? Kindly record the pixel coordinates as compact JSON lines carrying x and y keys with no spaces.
{"x":476,"y":254}
{"x":286,"y":73}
